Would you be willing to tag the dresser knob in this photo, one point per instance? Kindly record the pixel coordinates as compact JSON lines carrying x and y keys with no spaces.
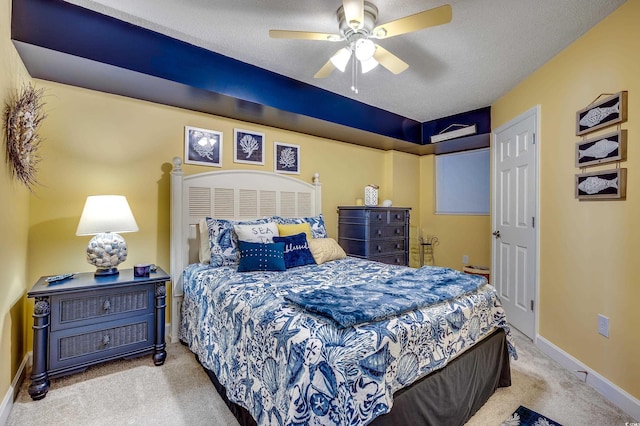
{"x":379,"y":217}
{"x":379,"y":249}
{"x":106,"y":340}
{"x":397,"y":231}
{"x":106,"y":305}
{"x":398,"y":246}
{"x":379,"y":232}
{"x":398,"y":216}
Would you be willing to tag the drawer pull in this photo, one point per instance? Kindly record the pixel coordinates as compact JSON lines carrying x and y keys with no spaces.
{"x":106,"y":305}
{"x":379,"y":249}
{"x":379,"y":232}
{"x":397,"y":231}
{"x":398,"y":246}
{"x":106,"y":340}
{"x":379,"y":217}
{"x":398,"y":216}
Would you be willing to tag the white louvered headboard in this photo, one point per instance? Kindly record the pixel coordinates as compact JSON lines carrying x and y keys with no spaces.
{"x":228,"y":194}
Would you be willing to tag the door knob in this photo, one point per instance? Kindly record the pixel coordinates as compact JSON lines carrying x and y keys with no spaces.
{"x":496,"y":234}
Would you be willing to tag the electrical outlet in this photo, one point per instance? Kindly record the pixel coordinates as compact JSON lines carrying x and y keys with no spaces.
{"x":603,"y":325}
{"x":465,"y":259}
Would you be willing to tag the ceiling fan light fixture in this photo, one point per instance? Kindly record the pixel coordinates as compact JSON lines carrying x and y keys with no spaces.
{"x":341,"y":59}
{"x":365,"y":49}
{"x":368,"y":65}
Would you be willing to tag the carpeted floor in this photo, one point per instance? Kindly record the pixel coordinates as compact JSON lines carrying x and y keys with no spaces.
{"x":135,"y":392}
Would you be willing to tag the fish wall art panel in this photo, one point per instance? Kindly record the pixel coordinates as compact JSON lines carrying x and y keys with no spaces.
{"x":603,"y":149}
{"x":606,"y":112}
{"x":602,"y":185}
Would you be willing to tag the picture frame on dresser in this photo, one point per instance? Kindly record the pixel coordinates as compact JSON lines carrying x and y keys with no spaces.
{"x":202,"y":146}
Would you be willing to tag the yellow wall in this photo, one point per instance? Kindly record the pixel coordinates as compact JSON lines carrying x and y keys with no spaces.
{"x":458,"y":235}
{"x":588,"y":249}
{"x":13,"y":223}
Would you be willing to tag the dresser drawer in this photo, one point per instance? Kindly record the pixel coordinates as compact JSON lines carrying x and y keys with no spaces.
{"x":366,"y":249}
{"x":387,"y":231}
{"x":380,"y":247}
{"x":77,"y":346}
{"x":90,"y":307}
{"x":392,"y":259}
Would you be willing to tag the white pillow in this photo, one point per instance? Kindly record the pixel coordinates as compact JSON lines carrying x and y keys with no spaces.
{"x":257,"y":233}
{"x":204,"y":253}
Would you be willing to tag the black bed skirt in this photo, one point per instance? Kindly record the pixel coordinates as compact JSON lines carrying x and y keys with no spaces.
{"x":446,"y":397}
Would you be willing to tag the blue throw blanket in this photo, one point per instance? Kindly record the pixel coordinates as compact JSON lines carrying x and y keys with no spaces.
{"x":377,"y":300}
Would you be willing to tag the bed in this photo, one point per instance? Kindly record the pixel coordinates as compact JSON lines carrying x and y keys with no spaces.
{"x":279,"y":350}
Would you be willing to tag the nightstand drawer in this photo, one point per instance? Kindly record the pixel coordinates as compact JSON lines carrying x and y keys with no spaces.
{"x":89,"y":307}
{"x":89,"y":344}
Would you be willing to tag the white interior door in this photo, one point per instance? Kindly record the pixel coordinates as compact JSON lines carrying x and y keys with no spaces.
{"x":514,"y":219}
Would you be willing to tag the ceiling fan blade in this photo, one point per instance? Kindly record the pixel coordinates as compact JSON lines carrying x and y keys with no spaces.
{"x":325,"y":70}
{"x":389,"y":60}
{"x":419,"y":21}
{"x":354,"y":13}
{"x":304,"y":35}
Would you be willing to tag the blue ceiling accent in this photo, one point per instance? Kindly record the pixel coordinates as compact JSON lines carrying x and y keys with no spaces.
{"x":54,"y":38}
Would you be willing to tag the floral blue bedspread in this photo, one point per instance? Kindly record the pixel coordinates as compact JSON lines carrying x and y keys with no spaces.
{"x":288,"y":366}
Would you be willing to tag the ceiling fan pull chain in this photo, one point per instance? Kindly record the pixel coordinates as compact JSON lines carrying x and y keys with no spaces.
{"x":354,"y":76}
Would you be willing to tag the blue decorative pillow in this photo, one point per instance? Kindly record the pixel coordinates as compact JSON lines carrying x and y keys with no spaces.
{"x":318,"y":228}
{"x":296,"y":250}
{"x":224,"y":251}
{"x":261,"y":257}
{"x":223,"y":241}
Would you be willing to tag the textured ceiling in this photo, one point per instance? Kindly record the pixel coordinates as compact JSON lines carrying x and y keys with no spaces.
{"x":489,"y":46}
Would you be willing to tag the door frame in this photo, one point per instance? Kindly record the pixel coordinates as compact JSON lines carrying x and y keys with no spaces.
{"x":535,"y":111}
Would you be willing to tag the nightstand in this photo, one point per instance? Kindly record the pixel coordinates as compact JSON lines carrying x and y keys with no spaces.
{"x":87,"y":320}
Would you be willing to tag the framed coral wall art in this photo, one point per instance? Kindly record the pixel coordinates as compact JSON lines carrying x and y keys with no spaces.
{"x":286,"y":158}
{"x":604,"y":113}
{"x":602,"y":185}
{"x":602,"y":149}
{"x":202,"y":147}
{"x":248,"y":147}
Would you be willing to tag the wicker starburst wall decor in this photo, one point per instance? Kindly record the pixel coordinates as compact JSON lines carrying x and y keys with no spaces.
{"x":23,"y":113}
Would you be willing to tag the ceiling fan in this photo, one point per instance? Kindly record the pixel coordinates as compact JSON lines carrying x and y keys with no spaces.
{"x":357,"y":26}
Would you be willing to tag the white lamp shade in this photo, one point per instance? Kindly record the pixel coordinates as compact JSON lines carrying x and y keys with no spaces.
{"x":368,"y":65}
{"x":341,"y":58}
{"x":106,"y":213}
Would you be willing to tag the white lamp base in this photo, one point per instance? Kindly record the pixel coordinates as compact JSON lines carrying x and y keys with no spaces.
{"x":106,"y":251}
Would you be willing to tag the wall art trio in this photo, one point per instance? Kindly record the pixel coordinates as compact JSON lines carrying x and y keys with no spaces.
{"x":204,"y":147}
{"x":611,"y":147}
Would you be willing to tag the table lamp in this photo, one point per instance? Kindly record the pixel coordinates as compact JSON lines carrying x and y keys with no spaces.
{"x":104,"y":216}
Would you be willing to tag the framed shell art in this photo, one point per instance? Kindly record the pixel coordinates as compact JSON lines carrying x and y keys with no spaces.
{"x":603,"y":149}
{"x":202,"y":147}
{"x":606,"y":112}
{"x":602,"y":185}
{"x":248,"y":147}
{"x":286,"y":158}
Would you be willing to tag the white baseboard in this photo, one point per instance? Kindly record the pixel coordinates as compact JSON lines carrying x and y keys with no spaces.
{"x":10,"y":396}
{"x":627,"y":402}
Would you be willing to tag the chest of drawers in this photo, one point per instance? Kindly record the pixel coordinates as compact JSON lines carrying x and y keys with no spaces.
{"x":86,"y":320}
{"x":375,"y":233}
